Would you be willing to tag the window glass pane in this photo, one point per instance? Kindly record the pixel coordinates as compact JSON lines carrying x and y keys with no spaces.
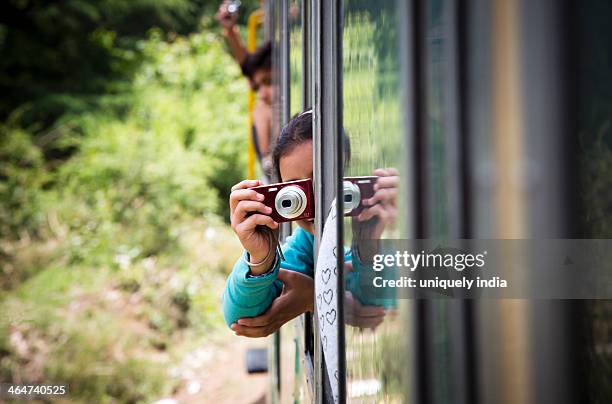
{"x":593,"y":69}
{"x":296,"y":32}
{"x":375,"y":331}
{"x":442,"y":179}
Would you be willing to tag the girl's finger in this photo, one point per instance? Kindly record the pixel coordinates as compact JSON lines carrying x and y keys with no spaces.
{"x":245,"y":207}
{"x":369,"y":311}
{"x":252,"y":332}
{"x":369,"y":213}
{"x":370,"y":322}
{"x":387,"y":182}
{"x":246,"y":184}
{"x":384,"y":172}
{"x":385,"y":195}
{"x":255,"y":220}
{"x":380,"y":172}
{"x":243,"y":194}
{"x":348,"y":267}
{"x":260,"y":321}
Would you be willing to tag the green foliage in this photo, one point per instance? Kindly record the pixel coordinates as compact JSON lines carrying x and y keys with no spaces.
{"x":79,"y":346}
{"x":21,"y":177}
{"x":596,"y":193}
{"x":173,"y":155}
{"x":140,"y":171}
{"x":57,"y":54}
{"x":372,"y":120}
{"x":113,"y":334}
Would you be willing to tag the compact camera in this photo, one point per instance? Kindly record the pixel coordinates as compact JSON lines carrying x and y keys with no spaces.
{"x":289,"y":201}
{"x":233,"y":7}
{"x":294,"y":200}
{"x":355,"y":190}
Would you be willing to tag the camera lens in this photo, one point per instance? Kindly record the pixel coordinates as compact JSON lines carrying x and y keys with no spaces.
{"x":233,"y":7}
{"x":290,"y":202}
{"x":352,"y":196}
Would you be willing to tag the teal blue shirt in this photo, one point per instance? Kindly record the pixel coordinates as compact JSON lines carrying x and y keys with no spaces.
{"x":246,"y":296}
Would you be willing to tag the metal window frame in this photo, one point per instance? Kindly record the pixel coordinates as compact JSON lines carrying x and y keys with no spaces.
{"x":418,"y":320}
{"x":336,"y":29}
{"x":308,"y":319}
{"x":278,"y":10}
{"x":424,"y":313}
{"x":306,"y":54}
{"x":326,"y":98}
{"x":284,"y":111}
{"x":409,"y":79}
{"x":285,"y":77}
{"x":306,"y":76}
{"x":542,"y":27}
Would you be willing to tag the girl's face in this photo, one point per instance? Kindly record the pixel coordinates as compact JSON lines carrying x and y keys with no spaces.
{"x":297,"y":165}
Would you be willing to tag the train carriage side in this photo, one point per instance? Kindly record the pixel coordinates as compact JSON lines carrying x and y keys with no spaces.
{"x":494,"y":117}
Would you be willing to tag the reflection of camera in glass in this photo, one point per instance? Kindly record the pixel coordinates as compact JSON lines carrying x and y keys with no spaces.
{"x":289,"y":200}
{"x":233,"y":7}
{"x":356,"y":189}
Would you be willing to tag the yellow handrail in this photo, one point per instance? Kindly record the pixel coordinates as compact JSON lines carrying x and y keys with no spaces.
{"x":253,"y":22}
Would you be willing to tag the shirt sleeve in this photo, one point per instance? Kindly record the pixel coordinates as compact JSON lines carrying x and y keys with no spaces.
{"x":250,"y":296}
{"x":359,"y":283}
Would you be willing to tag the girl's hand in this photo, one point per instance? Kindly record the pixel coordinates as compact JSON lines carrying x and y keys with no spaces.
{"x":361,"y":316}
{"x":357,"y":314}
{"x":381,"y":207}
{"x":297,"y":298}
{"x":248,"y":214}
{"x":381,"y":211}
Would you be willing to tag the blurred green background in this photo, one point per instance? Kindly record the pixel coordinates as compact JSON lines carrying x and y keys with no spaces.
{"x":122,"y":128}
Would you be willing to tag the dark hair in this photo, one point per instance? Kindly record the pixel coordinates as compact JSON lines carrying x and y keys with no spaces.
{"x":258,"y":60}
{"x":297,"y":132}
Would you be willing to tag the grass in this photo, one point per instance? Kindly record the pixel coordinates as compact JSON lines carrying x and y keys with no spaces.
{"x":114,"y":334}
{"x":118,"y":267}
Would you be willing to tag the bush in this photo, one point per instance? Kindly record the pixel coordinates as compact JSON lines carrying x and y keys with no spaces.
{"x":170,"y":158}
{"x":21,"y":178}
{"x":106,"y":272}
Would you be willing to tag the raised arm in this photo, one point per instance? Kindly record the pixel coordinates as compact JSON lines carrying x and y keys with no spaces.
{"x":250,"y":295}
{"x":232,"y":33}
{"x":252,"y":285}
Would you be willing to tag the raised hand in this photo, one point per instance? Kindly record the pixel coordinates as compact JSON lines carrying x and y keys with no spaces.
{"x":249,"y":217}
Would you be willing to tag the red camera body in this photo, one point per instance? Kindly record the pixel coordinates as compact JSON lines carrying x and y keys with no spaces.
{"x":294,"y":200}
{"x":356,"y":189}
{"x":290,"y":201}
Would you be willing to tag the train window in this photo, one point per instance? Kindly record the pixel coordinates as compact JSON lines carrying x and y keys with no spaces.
{"x":443,"y":344}
{"x":299,"y":99}
{"x":297,"y":34}
{"x":538,"y":86}
{"x":375,"y":333}
{"x":592,"y":100}
{"x":490,"y":119}
{"x":514,"y":158}
{"x":441,"y":151}
{"x":276,"y":24}
{"x":284,"y":383}
{"x":290,"y":29}
{"x":298,"y":338}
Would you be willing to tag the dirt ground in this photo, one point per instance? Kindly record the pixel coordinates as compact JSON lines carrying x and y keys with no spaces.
{"x":217,"y":374}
